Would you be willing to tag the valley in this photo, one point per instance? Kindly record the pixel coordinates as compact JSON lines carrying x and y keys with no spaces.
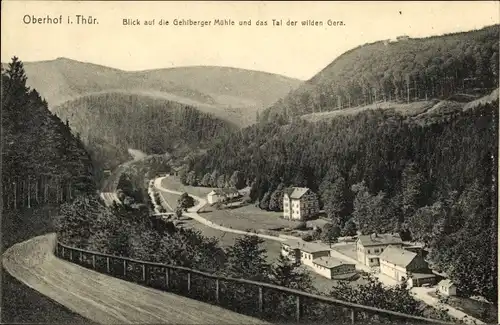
{"x":373,"y":185}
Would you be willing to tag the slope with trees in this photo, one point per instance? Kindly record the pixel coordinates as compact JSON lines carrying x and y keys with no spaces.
{"x":42,"y":160}
{"x":132,"y":232}
{"x":110,"y":123}
{"x":231,"y":94}
{"x":433,"y":182}
{"x":43,"y":164}
{"x":459,"y":66}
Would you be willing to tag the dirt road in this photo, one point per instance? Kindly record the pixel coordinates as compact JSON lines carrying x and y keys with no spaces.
{"x":105,"y":299}
{"x":193,"y":214}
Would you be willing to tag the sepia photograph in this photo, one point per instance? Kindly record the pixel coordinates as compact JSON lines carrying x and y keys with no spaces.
{"x":258,"y":162}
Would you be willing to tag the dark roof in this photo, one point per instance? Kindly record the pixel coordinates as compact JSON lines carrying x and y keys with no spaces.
{"x":379,"y":239}
{"x":397,"y":256}
{"x":296,"y":192}
{"x":422,"y":275}
{"x":330,"y":262}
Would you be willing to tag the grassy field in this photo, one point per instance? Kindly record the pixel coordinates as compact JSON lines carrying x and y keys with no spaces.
{"x":174,"y":184}
{"x":21,"y":304}
{"x":225,"y":238}
{"x":247,"y":217}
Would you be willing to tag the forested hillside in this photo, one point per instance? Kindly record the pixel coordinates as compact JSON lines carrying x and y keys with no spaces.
{"x":431,"y":179}
{"x":110,"y":123}
{"x":227,"y":93}
{"x":404,"y":70}
{"x":42,"y":161}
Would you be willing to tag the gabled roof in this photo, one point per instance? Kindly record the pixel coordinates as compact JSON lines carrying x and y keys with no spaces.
{"x":379,"y":239}
{"x":224,"y":191}
{"x":296,"y":192}
{"x":446,"y":283}
{"x":397,"y":256}
{"x":330,"y":262}
{"x":306,"y":246}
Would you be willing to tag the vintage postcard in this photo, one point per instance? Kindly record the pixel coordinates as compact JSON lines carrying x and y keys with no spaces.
{"x":249,"y":162}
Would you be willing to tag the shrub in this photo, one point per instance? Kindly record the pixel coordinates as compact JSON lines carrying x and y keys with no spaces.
{"x":307,"y":237}
{"x":301,"y":226}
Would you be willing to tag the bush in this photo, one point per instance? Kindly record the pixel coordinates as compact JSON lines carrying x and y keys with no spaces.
{"x":301,"y":226}
{"x":307,"y":237}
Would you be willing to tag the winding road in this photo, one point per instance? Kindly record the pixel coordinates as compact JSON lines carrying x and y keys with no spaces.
{"x":419,"y":293}
{"x":104,"y":299}
{"x":193,"y":214}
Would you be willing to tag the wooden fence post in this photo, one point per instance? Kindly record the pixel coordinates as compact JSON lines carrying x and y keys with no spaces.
{"x":81,"y":257}
{"x":261,"y":301}
{"x":189,"y":282}
{"x":217,"y":290}
{"x":93,"y":261}
{"x":143,"y":272}
{"x":71,"y":255}
{"x":108,"y":269}
{"x":62,"y":255}
{"x":353,"y":315}
{"x":167,"y":277}
{"x":124,"y":268}
{"x":297,"y":308}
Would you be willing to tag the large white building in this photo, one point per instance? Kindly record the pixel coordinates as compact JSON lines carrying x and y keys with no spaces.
{"x":299,"y":203}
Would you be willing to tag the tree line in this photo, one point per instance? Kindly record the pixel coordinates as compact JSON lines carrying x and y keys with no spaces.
{"x":43,"y":162}
{"x":403,"y":71}
{"x":433,"y":182}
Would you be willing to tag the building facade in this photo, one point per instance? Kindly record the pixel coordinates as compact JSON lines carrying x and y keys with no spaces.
{"x":369,"y":247}
{"x":447,"y":288}
{"x":333,"y":268}
{"x":300,"y":203}
{"x":401,"y":264}
{"x":303,"y":252}
{"x":222,"y":194}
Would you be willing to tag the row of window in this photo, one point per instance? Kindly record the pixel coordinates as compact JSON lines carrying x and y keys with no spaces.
{"x":376,"y":250}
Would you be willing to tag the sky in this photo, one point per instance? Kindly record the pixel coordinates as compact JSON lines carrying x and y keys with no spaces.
{"x":294,"y":51}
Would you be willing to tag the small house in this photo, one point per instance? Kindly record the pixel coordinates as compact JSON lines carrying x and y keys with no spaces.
{"x":303,"y":252}
{"x":222,"y":194}
{"x":176,"y":171}
{"x":333,"y":268}
{"x":299,"y":203}
{"x":447,"y":288}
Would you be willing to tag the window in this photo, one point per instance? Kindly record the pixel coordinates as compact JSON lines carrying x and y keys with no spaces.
{"x":371,"y":260}
{"x":368,"y":251}
{"x":376,"y":250}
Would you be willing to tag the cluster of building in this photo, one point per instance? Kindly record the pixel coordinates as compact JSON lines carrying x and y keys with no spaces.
{"x":318,"y":257}
{"x":388,"y":254}
{"x":383,"y":253}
